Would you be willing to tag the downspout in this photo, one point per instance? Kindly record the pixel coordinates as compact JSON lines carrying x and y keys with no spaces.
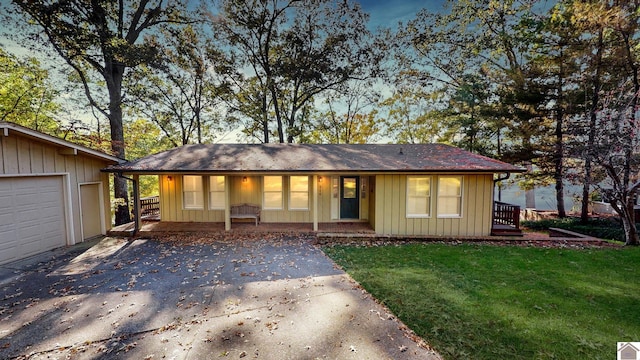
{"x":507,"y":175}
{"x":493,"y":206}
{"x":136,"y":202}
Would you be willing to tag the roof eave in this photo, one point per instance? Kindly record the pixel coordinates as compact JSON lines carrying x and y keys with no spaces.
{"x":6,"y":127}
{"x":341,"y":171}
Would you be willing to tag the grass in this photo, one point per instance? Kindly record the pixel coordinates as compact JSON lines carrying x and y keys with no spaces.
{"x":600,"y":228}
{"x":489,"y":302}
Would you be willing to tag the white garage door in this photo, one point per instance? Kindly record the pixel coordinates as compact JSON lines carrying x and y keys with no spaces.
{"x":32,"y":216}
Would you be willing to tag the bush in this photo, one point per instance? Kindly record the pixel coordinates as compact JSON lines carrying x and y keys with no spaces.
{"x":600,"y":228}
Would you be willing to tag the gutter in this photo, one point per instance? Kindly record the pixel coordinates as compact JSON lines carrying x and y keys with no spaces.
{"x":495,"y":181}
{"x":312,"y":171}
{"x":508,"y":174}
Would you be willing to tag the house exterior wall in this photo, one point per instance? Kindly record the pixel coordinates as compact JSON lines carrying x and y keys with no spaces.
{"x":372,"y":201}
{"x":382,"y":203}
{"x":391,"y":214}
{"x":171,"y":203}
{"x":172,"y":209}
{"x":23,"y":156}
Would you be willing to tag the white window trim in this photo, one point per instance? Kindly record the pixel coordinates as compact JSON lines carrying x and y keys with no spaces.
{"x":192,"y":207}
{"x":291,"y":192}
{"x":211,"y":207}
{"x":264,"y":192}
{"x":461,"y":197}
{"x":419,"y":216}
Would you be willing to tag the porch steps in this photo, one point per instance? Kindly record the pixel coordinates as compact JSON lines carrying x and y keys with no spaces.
{"x":124,"y":230}
{"x":505,"y":230}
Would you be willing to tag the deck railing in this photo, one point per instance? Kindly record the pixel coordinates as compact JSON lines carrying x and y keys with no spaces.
{"x":150,"y":206}
{"x":506,"y":214}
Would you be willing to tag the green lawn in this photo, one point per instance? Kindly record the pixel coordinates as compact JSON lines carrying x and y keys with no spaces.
{"x":490,"y":302}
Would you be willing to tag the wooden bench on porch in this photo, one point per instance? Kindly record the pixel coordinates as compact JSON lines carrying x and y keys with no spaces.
{"x":245,"y":211}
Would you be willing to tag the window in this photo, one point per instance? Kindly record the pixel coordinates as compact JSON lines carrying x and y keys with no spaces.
{"x":192,"y":192}
{"x":450,"y":196}
{"x":349,"y":188}
{"x":418,"y":196}
{"x":299,"y":193}
{"x":272,"y":193}
{"x":216,"y":193}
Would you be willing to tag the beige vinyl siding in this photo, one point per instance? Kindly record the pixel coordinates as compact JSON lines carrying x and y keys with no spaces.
{"x":390,"y":208}
{"x":23,"y":156}
{"x":372,"y":201}
{"x":324,"y":199}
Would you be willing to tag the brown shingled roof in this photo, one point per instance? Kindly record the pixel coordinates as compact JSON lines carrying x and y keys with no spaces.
{"x":314,"y":158}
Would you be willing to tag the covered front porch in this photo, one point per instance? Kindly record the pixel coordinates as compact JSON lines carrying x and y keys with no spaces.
{"x":301,"y":202}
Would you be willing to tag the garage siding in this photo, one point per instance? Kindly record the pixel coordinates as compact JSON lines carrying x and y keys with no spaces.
{"x":25,"y":159}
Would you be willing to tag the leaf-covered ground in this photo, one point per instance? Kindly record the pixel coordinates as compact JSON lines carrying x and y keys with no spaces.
{"x":193,"y":297}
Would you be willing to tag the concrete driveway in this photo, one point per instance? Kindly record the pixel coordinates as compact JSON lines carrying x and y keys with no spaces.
{"x":147,"y":299}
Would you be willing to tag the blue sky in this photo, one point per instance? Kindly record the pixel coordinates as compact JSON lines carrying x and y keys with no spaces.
{"x":389,"y":13}
{"x":383,"y":13}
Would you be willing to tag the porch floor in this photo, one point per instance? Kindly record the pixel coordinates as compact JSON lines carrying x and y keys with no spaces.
{"x":148,"y":227}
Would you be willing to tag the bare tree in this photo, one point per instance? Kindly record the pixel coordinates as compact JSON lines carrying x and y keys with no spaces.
{"x":103,"y":38}
{"x":295,"y":50}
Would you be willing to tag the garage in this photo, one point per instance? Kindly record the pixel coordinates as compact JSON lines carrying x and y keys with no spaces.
{"x":52,"y":192}
{"x":32,"y":216}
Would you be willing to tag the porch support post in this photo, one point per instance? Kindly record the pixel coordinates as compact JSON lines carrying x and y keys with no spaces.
{"x":136,"y":203}
{"x":227,"y":205}
{"x":315,"y":202}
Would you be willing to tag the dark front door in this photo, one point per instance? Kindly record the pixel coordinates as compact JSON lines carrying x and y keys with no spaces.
{"x":349,"y":197}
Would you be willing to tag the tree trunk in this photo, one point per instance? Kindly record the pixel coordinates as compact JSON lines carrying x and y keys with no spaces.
{"x":276,"y":108}
{"x":630,"y":230}
{"x":265,"y":119}
{"x":113,"y":75}
{"x":593,"y":117}
{"x":529,"y":194}
{"x":631,"y":123}
{"x":584,"y":211}
{"x":291,"y":123}
{"x":499,"y":133}
{"x":197,"y":108}
{"x":559,"y":171}
{"x":559,"y":147}
{"x":629,"y":223}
